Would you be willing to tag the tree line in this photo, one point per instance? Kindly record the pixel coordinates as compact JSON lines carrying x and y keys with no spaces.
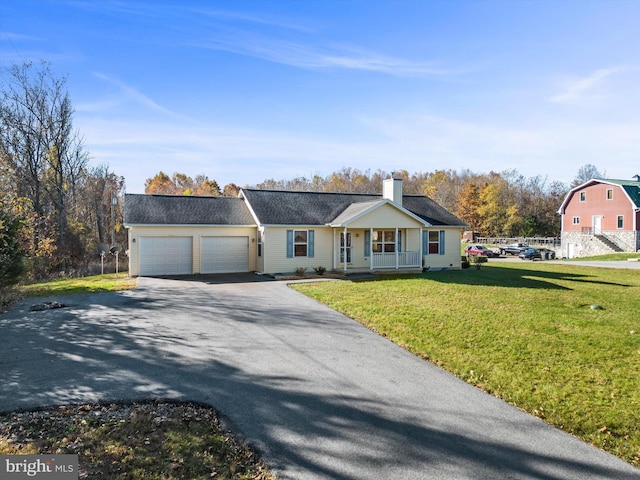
{"x":57,"y":211}
{"x":495,"y":204}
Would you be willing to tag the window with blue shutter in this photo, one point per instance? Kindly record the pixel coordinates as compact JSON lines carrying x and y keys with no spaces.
{"x":367,"y":243}
{"x":300,"y":243}
{"x":441,"y":242}
{"x":425,"y":242}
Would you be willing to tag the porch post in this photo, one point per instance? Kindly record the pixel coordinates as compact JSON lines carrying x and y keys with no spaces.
{"x":344,"y":252}
{"x":396,"y":249}
{"x":335,"y":264}
{"x":370,"y":248}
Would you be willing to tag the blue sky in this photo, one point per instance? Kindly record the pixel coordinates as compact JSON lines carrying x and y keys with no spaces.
{"x":243,"y":91}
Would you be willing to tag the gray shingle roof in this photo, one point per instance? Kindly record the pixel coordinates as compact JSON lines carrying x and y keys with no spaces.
{"x":185,"y":210}
{"x":275,"y":207}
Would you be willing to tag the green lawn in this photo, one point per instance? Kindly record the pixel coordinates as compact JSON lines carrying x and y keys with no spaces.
{"x":108,"y":282}
{"x":610,"y":257}
{"x":525,"y":332}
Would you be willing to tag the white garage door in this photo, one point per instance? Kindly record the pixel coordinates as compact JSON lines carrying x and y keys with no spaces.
{"x":224,"y":254}
{"x":166,"y":256}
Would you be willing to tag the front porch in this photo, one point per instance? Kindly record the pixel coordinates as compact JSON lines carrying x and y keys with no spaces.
{"x":377,"y":249}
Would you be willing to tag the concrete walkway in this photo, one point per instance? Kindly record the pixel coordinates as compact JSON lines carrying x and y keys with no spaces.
{"x":320,"y":395}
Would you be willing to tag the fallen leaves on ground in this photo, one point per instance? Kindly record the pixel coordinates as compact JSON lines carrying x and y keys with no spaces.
{"x":147,"y":440}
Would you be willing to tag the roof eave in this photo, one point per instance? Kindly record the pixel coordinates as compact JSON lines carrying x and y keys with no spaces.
{"x":189,"y":225}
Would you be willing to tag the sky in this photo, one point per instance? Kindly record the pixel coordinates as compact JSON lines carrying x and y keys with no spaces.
{"x":248,"y":90}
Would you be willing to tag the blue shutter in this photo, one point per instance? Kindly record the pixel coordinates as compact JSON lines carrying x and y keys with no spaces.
{"x":289,"y":243}
{"x":310,"y":236}
{"x":441,"y":246}
{"x":425,"y":242}
{"x":399,"y":241}
{"x":367,"y":243}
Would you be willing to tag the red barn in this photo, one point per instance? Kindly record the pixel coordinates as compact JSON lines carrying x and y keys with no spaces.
{"x":601,"y":216}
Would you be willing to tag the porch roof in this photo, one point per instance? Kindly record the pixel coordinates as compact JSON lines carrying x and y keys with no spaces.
{"x":358,"y":210}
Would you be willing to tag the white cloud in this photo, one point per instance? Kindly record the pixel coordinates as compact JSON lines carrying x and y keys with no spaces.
{"x":586,"y":88}
{"x":138,"y":150}
{"x":305,"y":55}
{"x":129,"y":94}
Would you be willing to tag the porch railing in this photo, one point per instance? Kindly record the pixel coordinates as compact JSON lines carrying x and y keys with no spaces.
{"x":405,"y":259}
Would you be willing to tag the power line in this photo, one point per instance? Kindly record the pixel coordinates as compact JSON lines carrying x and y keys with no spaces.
{"x":6,"y":34}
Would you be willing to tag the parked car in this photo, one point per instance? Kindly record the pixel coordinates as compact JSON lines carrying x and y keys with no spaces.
{"x":514,"y":249}
{"x":475,"y":249}
{"x":531,"y":254}
{"x":548,"y":254}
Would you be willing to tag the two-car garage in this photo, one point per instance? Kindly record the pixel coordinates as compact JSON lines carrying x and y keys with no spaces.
{"x":184,"y":255}
{"x":189,"y":234}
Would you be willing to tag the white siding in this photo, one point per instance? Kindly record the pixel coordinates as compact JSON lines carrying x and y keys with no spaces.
{"x":387,"y":216}
{"x":195,"y":233}
{"x":451,"y":258}
{"x":275,"y":250}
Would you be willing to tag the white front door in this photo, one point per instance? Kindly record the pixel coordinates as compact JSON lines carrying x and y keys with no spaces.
{"x":345,"y":248}
{"x":597,"y":224}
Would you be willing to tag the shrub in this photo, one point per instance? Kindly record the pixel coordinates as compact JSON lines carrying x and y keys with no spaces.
{"x":300,"y":271}
{"x":11,"y":264}
{"x":320,"y":270}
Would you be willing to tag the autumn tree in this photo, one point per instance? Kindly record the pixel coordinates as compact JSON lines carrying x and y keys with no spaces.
{"x":40,"y":150}
{"x":181,"y":184}
{"x":231,"y":190}
{"x":99,"y":188}
{"x":468,"y":205}
{"x":161,"y":183}
{"x":206,"y":187}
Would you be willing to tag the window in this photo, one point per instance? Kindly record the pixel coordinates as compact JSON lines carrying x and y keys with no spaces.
{"x":620,"y":221}
{"x":576,"y":220}
{"x":300,"y":243}
{"x":609,"y":194}
{"x":384,"y":241}
{"x":583,"y":196}
{"x":433,"y":242}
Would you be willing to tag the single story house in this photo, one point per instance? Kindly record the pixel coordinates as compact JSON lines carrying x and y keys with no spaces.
{"x":278,"y":232}
{"x":601,"y":216}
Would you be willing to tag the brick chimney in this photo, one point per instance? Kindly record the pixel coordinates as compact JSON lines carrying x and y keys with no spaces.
{"x":392,"y":189}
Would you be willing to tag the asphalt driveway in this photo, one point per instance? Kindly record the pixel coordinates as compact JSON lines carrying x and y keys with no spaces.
{"x":320,"y":395}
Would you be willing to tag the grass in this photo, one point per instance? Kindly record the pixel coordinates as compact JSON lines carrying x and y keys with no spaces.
{"x":610,"y":257}
{"x":525,"y":332}
{"x":108,"y":282}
